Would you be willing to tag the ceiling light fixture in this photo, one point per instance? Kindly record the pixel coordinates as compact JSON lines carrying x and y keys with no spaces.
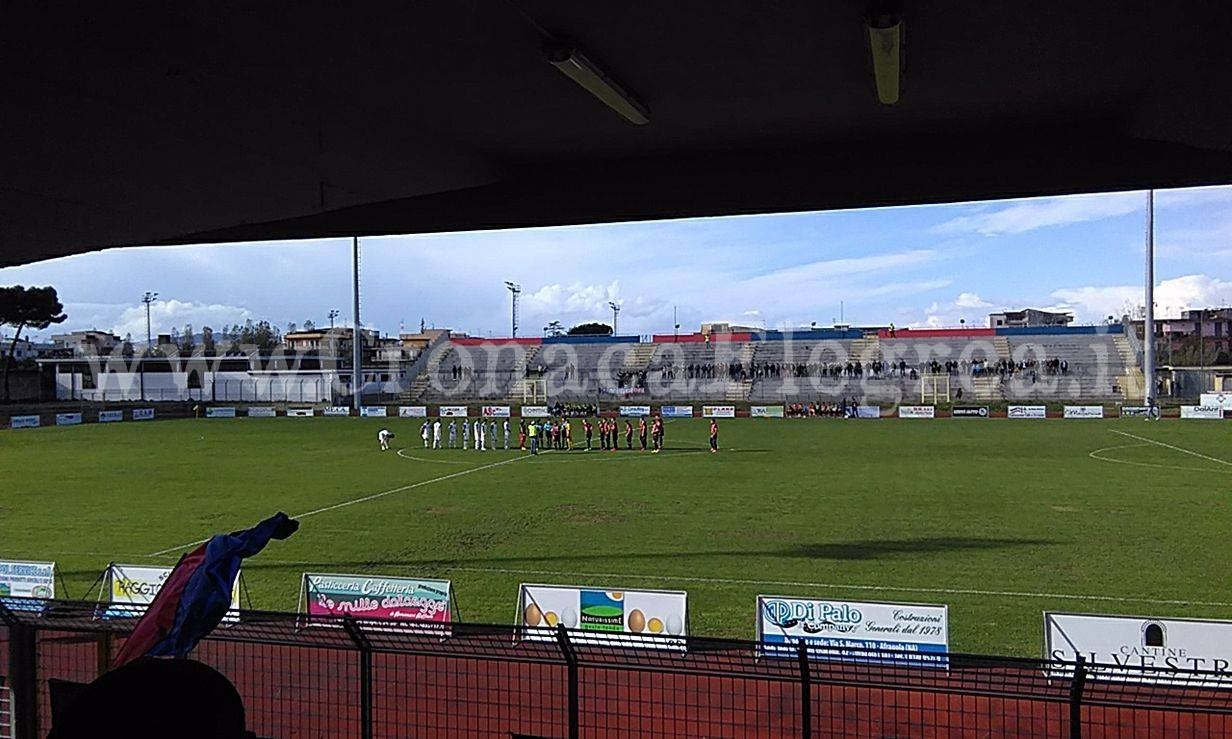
{"x":885,"y":41}
{"x":576,"y":66}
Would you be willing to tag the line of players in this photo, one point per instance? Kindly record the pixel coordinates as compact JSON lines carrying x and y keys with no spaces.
{"x":548,"y":434}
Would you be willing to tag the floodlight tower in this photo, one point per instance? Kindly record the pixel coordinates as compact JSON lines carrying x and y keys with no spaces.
{"x":516,"y":290}
{"x":615,"y":312}
{"x":148,"y":299}
{"x":333,"y":313}
{"x":1148,"y":322}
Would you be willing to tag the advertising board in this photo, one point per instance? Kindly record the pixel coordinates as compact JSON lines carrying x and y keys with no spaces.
{"x":1201,"y":412}
{"x":261,"y":411}
{"x":110,"y":416}
{"x":68,"y":419}
{"x":917,"y":411}
{"x":130,"y":589}
{"x":635,"y":410}
{"x":1083,"y":411}
{"x":143,"y":414}
{"x":23,"y":422}
{"x":1026,"y":411}
{"x":868,"y":411}
{"x":412,"y":411}
{"x":854,"y":630}
{"x":369,"y":596}
{"x":718,"y":411}
{"x":645,"y":618}
{"x":453,"y":411}
{"x":497,"y":411}
{"x":336,"y":410}
{"x":970,"y":411}
{"x":300,"y":413}
{"x":676,"y":411}
{"x":373,"y":411}
{"x":1110,"y":644}
{"x":766,"y":411}
{"x":534,"y":411}
{"x":220,"y":412}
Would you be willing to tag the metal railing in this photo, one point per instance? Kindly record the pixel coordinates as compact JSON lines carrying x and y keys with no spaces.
{"x":342,"y":677}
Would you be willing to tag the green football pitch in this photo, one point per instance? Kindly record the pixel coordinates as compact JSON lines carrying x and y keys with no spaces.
{"x":999,"y":519}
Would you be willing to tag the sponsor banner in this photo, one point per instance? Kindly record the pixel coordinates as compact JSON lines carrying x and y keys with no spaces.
{"x":68,"y":419}
{"x":970,"y":411}
{"x":131,"y":589}
{"x":766,"y":411}
{"x":372,"y":411}
{"x":143,"y":414}
{"x":623,"y":392}
{"x":26,"y":580}
{"x":453,"y":411}
{"x":336,"y":410}
{"x":645,"y":618}
{"x":1083,"y":411}
{"x":220,"y":412}
{"x":1222,"y":400}
{"x":1026,"y":411}
{"x":852,"y":630}
{"x":412,"y":411}
{"x":1139,"y":649}
{"x":110,"y":416}
{"x":1135,"y":411}
{"x":300,"y":413}
{"x":635,"y":410}
{"x":23,"y":422}
{"x":534,"y":411}
{"x":1208,"y":412}
{"x":497,"y":411}
{"x":261,"y":412}
{"x":718,"y":411}
{"x":365,"y":596}
{"x":917,"y":411}
{"x":868,"y":411}
{"x":676,"y":411}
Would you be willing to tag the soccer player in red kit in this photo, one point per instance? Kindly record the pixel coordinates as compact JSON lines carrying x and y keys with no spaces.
{"x":714,"y":436}
{"x":641,"y":431}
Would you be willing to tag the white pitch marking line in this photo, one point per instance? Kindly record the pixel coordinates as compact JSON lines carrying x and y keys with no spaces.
{"x":425,"y":459}
{"x":364,"y":499}
{"x":1174,"y":448}
{"x":1097,"y":454}
{"x":844,"y":586}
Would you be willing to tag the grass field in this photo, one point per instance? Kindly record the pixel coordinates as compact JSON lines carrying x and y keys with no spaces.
{"x":999,"y":519}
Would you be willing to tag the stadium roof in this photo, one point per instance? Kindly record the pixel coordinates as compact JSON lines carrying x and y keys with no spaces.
{"x":201,"y":122}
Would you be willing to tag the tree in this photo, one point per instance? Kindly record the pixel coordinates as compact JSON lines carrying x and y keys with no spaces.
{"x":591,"y":329}
{"x":22,"y":307}
{"x":126,"y":349}
{"x":309,"y":325}
{"x":291,"y":327}
{"x":207,"y":339}
{"x":552,"y":329}
{"x":187,"y":344}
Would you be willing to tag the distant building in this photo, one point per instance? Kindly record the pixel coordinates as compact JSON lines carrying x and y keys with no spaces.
{"x":1211,"y":328}
{"x":424,"y":338}
{"x":719,"y":327}
{"x":331,"y":341}
{"x":1028,"y":318}
{"x":25,"y":348}
{"x":86,"y":343}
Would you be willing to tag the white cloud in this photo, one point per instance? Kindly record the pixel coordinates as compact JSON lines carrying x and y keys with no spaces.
{"x":172,"y":313}
{"x":1094,"y":303}
{"x":971,"y":300}
{"x":1031,"y":215}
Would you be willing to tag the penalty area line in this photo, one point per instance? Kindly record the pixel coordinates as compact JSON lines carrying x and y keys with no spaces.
{"x":843,"y":586}
{"x":364,"y":499}
{"x":1174,"y":448}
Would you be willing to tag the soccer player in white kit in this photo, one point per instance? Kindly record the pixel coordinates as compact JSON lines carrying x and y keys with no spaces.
{"x":492,"y":433}
{"x":506,"y":434}
{"x":423,"y":432}
{"x":384,"y":435}
{"x":480,"y":441}
{"x":436,"y":434}
{"x":466,"y":433}
{"x":453,"y":434}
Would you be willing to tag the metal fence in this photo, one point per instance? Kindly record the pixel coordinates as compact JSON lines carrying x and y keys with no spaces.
{"x":337,"y":678}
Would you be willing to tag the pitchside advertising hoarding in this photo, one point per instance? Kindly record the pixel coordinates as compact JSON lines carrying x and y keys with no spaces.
{"x":130,"y":589}
{"x":220,"y":412}
{"x":852,"y":630}
{"x":497,"y":411}
{"x":143,"y":414}
{"x":868,"y":411}
{"x":917,"y":411}
{"x":1201,"y":412}
{"x":641,"y":618}
{"x":68,"y":419}
{"x":1135,"y":411}
{"x":1083,"y":411}
{"x":970,"y":411}
{"x":452,"y":411}
{"x":534,"y":411}
{"x":110,"y":416}
{"x":635,"y":410}
{"x":299,"y":413}
{"x":1152,"y":648}
{"x":27,"y":579}
{"x":259,"y":411}
{"x":1221,"y":400}
{"x":23,"y":422}
{"x":766,"y":411}
{"x":676,"y":411}
{"x":1026,"y":411}
{"x":412,"y":411}
{"x":373,"y":411}
{"x":366,"y":596}
{"x":336,"y":410}
{"x":718,"y":411}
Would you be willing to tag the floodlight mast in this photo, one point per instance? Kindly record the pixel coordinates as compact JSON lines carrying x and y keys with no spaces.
{"x":615,"y":313}
{"x":148,"y":298}
{"x":1148,"y":322}
{"x":516,"y":290}
{"x":357,"y":369}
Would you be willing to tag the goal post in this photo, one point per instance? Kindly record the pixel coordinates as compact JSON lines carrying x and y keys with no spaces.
{"x":934,"y":388}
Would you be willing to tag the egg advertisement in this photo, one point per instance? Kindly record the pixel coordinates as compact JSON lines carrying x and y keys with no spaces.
{"x":645,"y":612}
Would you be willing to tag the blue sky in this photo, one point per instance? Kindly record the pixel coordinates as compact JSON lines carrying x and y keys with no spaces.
{"x":922,"y":265}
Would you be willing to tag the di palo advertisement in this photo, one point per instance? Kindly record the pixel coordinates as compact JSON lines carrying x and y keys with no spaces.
{"x":855,"y":631}
{"x":363,"y":596}
{"x":643,"y":618}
